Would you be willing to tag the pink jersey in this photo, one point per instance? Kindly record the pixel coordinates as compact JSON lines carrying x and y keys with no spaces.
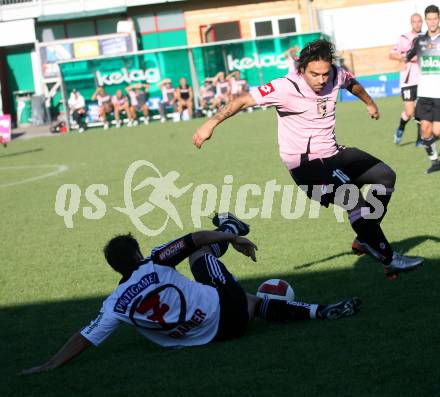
{"x":410,"y":74}
{"x":133,"y":98}
{"x":103,"y":99}
{"x":121,"y":101}
{"x":306,"y":120}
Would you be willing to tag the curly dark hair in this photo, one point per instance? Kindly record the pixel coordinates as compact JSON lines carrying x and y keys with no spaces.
{"x":318,"y":50}
{"x":121,"y":253}
{"x":431,"y":9}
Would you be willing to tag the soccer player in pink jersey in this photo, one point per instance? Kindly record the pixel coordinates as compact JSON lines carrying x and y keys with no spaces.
{"x":305,"y":100}
{"x":409,"y":77}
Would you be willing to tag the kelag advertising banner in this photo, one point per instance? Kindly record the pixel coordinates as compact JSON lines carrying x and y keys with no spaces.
{"x":258,"y":61}
{"x":119,"y":72}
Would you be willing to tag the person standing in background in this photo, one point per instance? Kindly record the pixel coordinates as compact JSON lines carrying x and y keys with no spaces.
{"x":409,"y":77}
{"x":427,"y":49}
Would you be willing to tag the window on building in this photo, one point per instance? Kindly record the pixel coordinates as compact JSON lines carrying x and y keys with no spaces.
{"x":287,"y":25}
{"x":80,"y":29}
{"x":159,"y":21}
{"x":170,"y":20}
{"x":107,"y":25}
{"x":220,"y":32}
{"x":144,"y":23}
{"x":274,"y":26}
{"x":50,"y":33}
{"x":263,"y":28}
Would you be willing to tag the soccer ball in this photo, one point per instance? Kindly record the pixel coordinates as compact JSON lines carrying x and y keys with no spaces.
{"x":276,"y":289}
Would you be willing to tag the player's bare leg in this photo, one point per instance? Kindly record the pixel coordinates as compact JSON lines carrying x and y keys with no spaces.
{"x":103,"y":115}
{"x":407,"y":114}
{"x":145,"y":110}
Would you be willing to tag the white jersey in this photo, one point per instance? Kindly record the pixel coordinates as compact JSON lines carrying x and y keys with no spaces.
{"x":162,"y":304}
{"x":76,"y":102}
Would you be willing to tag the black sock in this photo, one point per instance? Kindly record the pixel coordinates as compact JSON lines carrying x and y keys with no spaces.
{"x":370,"y":232}
{"x":383,"y":198}
{"x":281,"y":311}
{"x":402,"y":124}
{"x":431,"y":148}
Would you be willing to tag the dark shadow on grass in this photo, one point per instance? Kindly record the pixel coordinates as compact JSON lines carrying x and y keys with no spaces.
{"x":16,"y":135}
{"x":413,"y":143}
{"x":401,"y":246}
{"x":21,"y":153}
{"x":395,"y":329}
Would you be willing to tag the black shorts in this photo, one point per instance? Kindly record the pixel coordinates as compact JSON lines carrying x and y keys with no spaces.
{"x":320,"y":178}
{"x":409,"y":94}
{"x":234,"y":315}
{"x":140,"y":106}
{"x":428,"y":109}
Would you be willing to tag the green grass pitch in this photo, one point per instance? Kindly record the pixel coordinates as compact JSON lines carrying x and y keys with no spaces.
{"x":53,"y":279}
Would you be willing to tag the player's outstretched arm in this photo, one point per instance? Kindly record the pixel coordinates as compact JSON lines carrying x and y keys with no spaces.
{"x":359,"y":91}
{"x":241,"y":244}
{"x":205,"y":132}
{"x":73,"y":347}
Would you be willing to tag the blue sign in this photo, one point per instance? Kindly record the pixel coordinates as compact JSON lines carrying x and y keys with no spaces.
{"x":379,"y":86}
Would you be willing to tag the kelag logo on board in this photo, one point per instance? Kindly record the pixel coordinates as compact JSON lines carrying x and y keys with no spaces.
{"x":148,"y":75}
{"x":256,"y":61}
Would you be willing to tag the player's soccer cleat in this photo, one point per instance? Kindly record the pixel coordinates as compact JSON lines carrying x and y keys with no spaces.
{"x":419,"y":143}
{"x":231,"y":219}
{"x":398,"y":136}
{"x":357,"y":248}
{"x":345,"y":308}
{"x":401,"y":264}
{"x":360,"y":247}
{"x":434,"y":168}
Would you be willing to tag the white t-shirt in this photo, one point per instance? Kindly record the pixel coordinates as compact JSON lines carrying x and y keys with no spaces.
{"x":163,"y":305}
{"x":76,"y":101}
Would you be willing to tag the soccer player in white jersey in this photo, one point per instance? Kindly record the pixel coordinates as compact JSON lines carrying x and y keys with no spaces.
{"x":427,"y":49}
{"x":305,"y":101}
{"x":409,"y":77}
{"x":174,"y":311}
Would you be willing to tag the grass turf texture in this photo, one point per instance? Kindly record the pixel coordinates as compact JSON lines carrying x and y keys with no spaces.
{"x":53,"y":279}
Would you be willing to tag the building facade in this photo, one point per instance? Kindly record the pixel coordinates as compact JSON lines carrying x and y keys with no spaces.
{"x":363,"y":30}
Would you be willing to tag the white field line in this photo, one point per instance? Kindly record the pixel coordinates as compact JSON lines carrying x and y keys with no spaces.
{"x":58,"y":170}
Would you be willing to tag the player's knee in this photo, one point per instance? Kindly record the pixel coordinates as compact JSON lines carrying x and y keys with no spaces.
{"x":388,"y":176}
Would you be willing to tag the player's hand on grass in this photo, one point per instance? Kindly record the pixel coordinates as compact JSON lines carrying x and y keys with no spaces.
{"x":202,"y":134}
{"x":373,"y":111}
{"x":246,"y":247}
